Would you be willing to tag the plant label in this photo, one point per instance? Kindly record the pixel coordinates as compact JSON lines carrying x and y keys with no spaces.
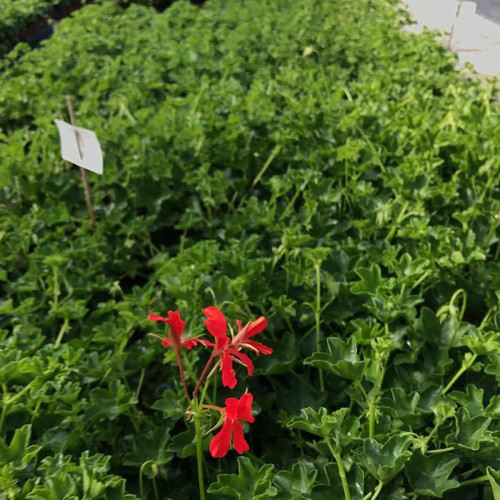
{"x":80,"y":146}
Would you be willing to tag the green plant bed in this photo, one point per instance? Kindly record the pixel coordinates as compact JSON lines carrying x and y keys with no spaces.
{"x":305,"y":161}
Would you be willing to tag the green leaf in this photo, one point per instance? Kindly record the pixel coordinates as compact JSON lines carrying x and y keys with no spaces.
{"x":109,"y":403}
{"x":283,"y":358}
{"x":470,"y":431}
{"x":320,"y":423}
{"x":371,"y":280}
{"x":296,"y":483}
{"x":429,"y":475}
{"x":403,"y":406}
{"x":494,"y":479}
{"x":18,"y":453}
{"x":342,"y":359}
{"x":249,"y":484}
{"x":385,"y":462}
{"x":333,"y":486}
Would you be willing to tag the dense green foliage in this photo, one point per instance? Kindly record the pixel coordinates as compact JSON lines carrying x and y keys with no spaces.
{"x":18,"y":15}
{"x":304,"y":160}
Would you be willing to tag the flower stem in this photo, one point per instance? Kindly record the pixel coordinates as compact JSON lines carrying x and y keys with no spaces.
{"x":465,"y":366}
{"x":317,"y":313}
{"x":62,"y":331}
{"x":372,"y":408}
{"x":441,"y":450}
{"x":181,"y":372}
{"x":4,"y":405}
{"x":378,"y":490}
{"x":199,"y":455}
{"x":203,"y":374}
{"x":340,"y":465}
{"x":474,"y":481}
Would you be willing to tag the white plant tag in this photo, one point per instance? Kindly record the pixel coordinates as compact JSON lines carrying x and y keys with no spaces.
{"x":83,"y":151}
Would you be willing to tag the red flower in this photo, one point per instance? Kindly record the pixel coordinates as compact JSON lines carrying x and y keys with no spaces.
{"x":229,"y":349}
{"x":236,"y":410}
{"x":176,"y":325}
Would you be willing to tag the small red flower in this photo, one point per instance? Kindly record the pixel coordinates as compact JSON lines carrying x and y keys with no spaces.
{"x":177,"y":325}
{"x":236,"y":410}
{"x":229,"y":349}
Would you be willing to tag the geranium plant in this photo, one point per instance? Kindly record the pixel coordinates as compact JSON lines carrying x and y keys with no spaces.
{"x":225,"y":351}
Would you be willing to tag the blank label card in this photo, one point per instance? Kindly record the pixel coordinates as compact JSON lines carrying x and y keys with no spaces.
{"x":80,"y":146}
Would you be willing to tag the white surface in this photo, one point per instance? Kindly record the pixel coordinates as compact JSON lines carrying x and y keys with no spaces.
{"x":433,"y":14}
{"x":474,"y":38}
{"x":91,"y":158}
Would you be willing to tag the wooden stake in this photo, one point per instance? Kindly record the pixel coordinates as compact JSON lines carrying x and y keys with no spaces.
{"x":86,"y":187}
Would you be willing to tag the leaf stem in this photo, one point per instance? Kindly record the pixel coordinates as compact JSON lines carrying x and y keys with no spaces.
{"x":62,"y":331}
{"x":4,"y":405}
{"x":199,"y":455}
{"x":474,"y":481}
{"x":340,"y":465}
{"x":203,"y":373}
{"x":181,"y":373}
{"x":378,"y":490}
{"x":441,"y":450}
{"x":207,"y":383}
{"x":372,"y":407}
{"x":465,"y":366}
{"x":317,"y":313}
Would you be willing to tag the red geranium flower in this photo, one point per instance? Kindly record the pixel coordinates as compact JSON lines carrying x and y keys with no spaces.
{"x":175,"y":340}
{"x":229,"y":349}
{"x":236,"y":410}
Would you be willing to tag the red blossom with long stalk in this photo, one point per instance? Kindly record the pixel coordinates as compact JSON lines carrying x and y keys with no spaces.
{"x":228,"y":349}
{"x":232,"y":429}
{"x":175,"y":341}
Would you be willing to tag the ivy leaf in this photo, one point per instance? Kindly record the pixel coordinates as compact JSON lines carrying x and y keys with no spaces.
{"x":283,"y":359}
{"x":493,"y":367}
{"x":493,"y":408}
{"x":385,"y":462}
{"x":248,"y":484}
{"x":483,"y":343}
{"x":494,"y":479}
{"x":147,"y":446}
{"x":296,"y":483}
{"x":428,"y":475}
{"x":18,"y":453}
{"x":55,"y":487}
{"x":403,"y":406}
{"x":472,"y":399}
{"x":320,"y":423}
{"x":109,"y":403}
{"x":371,"y":280}
{"x":342,"y":359}
{"x":333,"y":486}
{"x":470,"y":432}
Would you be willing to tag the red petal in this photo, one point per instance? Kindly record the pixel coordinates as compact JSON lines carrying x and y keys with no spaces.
{"x":222,"y":342}
{"x":206,"y":343}
{"x":232,"y":405}
{"x":238,"y":322}
{"x":228,"y":375}
{"x":219,"y":445}
{"x":175,"y":321}
{"x":155,"y":317}
{"x":245,"y":408}
{"x":165,"y":342}
{"x":260,"y":347}
{"x":255,"y":327}
{"x":216,"y":322}
{"x":239,"y":443}
{"x":245,"y":359}
{"x":189,"y":343}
